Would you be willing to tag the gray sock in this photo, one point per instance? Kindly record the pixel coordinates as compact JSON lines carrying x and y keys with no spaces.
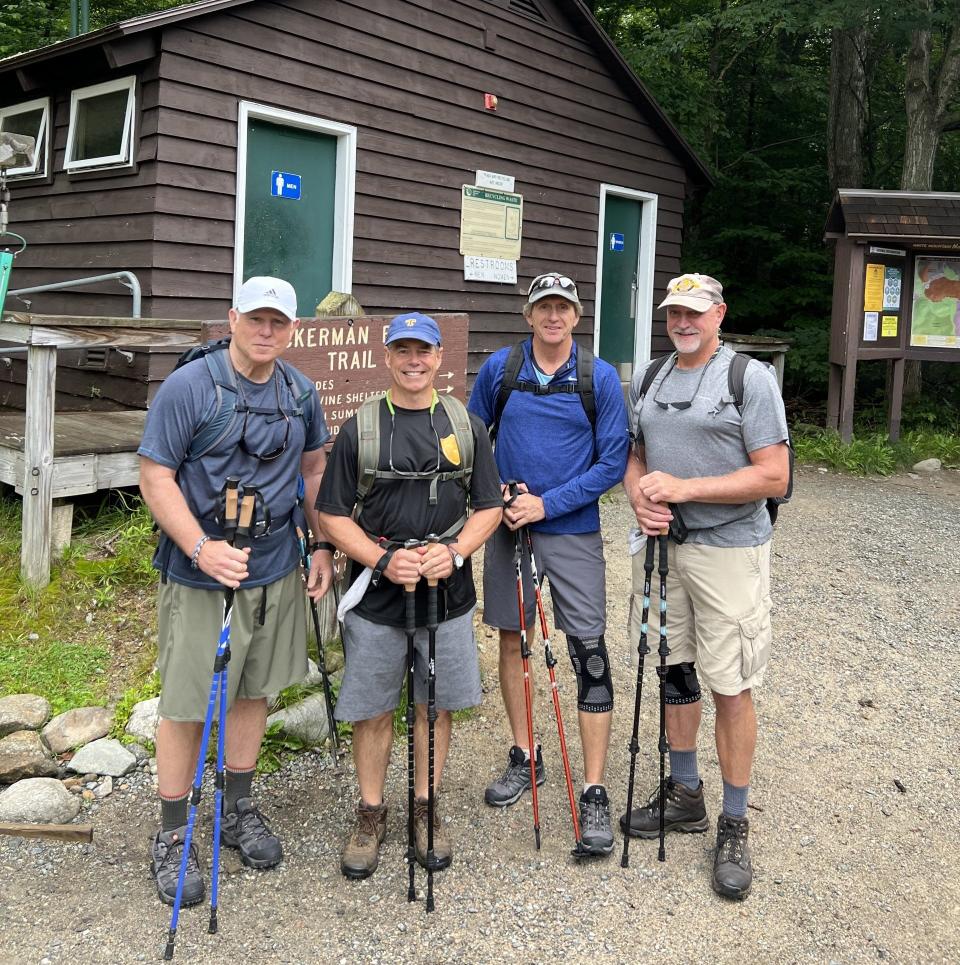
{"x":173,"y":812}
{"x":683,"y":768}
{"x":239,"y":784}
{"x":735,"y":800}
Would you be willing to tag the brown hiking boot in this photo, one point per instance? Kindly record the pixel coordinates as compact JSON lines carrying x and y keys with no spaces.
{"x":442,"y":851}
{"x":361,"y":854}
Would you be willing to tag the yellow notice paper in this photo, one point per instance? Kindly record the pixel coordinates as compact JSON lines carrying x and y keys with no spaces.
{"x":873,"y":289}
{"x":888,"y":326}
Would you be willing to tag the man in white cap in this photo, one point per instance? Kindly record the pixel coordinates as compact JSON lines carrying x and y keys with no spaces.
{"x":237,"y":411}
{"x":716,"y":461}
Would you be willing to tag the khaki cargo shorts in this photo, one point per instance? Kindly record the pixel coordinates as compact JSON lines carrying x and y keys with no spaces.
{"x":718,"y":613}
{"x":263,"y":659}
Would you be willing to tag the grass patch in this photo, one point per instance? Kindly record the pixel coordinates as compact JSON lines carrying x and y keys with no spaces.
{"x":61,"y":642}
{"x":872,"y":453}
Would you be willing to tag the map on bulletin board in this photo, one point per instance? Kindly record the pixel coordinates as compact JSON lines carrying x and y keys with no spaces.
{"x":935,"y":321}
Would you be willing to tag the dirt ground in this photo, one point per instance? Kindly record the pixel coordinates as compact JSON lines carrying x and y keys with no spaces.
{"x":855,"y":824}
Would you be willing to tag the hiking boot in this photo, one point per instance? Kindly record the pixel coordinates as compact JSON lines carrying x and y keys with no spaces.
{"x":596,"y":835}
{"x":732,"y":868}
{"x":442,"y":849}
{"x":515,"y":780}
{"x":361,"y":854}
{"x":684,"y":811}
{"x":165,"y":857}
{"x":248,"y":831}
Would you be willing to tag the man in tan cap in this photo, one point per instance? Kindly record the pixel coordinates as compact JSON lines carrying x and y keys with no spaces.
{"x":697,"y":446}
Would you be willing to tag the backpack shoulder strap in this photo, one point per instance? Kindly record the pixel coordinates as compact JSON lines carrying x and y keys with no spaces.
{"x":651,"y":373}
{"x":511,"y":379}
{"x":735,"y":377}
{"x":588,"y":396}
{"x":460,"y":420}
{"x":217,"y":424}
{"x":302,"y":390}
{"x":368,"y":448}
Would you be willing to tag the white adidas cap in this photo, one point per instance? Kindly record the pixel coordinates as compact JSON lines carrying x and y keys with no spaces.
{"x":261,"y":291}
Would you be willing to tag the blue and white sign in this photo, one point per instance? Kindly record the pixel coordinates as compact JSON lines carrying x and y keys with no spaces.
{"x":285,"y":185}
{"x":616,"y":241}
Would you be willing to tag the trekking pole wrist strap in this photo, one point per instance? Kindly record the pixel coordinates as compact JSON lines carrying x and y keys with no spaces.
{"x":322,"y":545}
{"x":381,"y":565}
{"x":195,"y":556}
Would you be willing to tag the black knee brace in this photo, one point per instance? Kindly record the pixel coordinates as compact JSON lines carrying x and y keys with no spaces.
{"x":592,"y":667}
{"x":682,"y":686}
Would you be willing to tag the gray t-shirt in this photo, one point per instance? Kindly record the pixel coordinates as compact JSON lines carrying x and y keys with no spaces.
{"x":179,"y":408}
{"x":711,"y":438}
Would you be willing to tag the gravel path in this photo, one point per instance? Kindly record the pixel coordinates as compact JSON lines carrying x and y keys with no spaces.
{"x":862,"y":692}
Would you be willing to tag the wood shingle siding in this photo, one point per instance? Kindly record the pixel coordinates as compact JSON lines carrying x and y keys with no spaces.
{"x":410,"y":76}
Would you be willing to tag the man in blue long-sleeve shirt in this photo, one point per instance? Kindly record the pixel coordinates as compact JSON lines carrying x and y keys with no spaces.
{"x":545,"y":439}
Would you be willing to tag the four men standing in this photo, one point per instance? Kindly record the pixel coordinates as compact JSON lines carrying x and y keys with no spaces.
{"x":412,"y":493}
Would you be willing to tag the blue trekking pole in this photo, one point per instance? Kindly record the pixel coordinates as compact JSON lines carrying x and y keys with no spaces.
{"x":237,"y":530}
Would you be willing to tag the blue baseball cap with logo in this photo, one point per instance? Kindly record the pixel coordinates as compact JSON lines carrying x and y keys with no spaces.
{"x":413,"y":325}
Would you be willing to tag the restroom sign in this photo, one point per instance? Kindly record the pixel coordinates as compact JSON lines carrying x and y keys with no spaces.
{"x":283,"y":184}
{"x":616,"y":241}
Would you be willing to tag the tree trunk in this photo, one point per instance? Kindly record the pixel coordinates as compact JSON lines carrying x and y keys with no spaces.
{"x":847,"y":117}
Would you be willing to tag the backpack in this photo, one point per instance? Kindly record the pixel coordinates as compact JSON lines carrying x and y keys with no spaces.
{"x":217,"y":425}
{"x":368,"y":453}
{"x":735,"y":377}
{"x":583,"y":385}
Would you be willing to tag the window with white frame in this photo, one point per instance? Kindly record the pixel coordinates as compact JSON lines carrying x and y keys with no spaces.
{"x":30,"y":119}
{"x":101,"y":125}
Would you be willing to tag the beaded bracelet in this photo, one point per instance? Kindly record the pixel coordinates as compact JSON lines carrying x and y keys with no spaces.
{"x":194,"y":560}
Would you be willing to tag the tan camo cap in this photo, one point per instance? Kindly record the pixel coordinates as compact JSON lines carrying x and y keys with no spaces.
{"x":695,"y":291}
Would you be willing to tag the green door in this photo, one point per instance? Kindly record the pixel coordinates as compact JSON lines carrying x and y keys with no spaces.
{"x":618,"y":283}
{"x":289,"y":233}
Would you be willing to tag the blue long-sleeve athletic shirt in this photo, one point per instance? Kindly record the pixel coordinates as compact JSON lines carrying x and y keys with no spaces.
{"x":546,"y":440}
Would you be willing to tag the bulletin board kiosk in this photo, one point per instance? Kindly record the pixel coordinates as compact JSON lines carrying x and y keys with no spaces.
{"x":896,"y":290}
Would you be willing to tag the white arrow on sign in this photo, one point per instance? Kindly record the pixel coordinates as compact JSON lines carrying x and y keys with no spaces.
{"x":448,"y":389}
{"x":445,"y":375}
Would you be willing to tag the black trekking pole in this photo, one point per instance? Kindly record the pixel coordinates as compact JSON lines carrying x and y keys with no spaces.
{"x":525,"y":659}
{"x":237,"y":527}
{"x":551,"y":661}
{"x":664,"y":652}
{"x":410,"y":625}
{"x":321,"y":661}
{"x":642,"y":650}
{"x":432,"y":622}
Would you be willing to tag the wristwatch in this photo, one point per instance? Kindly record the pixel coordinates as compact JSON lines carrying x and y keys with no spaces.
{"x":455,"y":556}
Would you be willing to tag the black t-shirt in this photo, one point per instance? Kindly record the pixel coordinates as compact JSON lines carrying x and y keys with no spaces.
{"x":399,"y":509}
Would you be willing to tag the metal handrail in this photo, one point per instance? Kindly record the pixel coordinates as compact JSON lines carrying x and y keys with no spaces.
{"x":126,"y":278}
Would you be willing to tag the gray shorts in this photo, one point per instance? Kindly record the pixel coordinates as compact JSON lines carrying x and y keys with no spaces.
{"x":263,"y":659}
{"x":376,"y":667}
{"x":573,"y":565}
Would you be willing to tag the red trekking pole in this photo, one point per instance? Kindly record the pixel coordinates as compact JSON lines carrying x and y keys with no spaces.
{"x":551,"y":661}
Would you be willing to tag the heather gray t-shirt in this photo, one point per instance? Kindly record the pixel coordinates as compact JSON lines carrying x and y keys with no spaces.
{"x":185,"y":399}
{"x":710,"y":439}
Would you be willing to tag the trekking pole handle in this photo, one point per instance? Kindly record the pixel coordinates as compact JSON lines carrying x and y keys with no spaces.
{"x":231,"y":507}
{"x":514,"y":490}
{"x":432,"y":538}
{"x":409,"y":545}
{"x":244,"y":529}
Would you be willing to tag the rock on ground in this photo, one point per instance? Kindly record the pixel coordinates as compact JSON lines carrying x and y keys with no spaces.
{"x":38,"y":800}
{"x":22,"y":712}
{"x":104,"y":756}
{"x":77,"y":727}
{"x":143,"y":720}
{"x":23,"y":754}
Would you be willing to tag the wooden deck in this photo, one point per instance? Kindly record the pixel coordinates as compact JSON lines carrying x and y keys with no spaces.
{"x":91,"y":451}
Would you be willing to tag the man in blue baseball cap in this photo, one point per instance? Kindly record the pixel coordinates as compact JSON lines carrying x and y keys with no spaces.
{"x":410,"y":464}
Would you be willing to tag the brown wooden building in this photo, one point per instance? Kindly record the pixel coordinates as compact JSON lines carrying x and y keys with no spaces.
{"x":162,"y":138}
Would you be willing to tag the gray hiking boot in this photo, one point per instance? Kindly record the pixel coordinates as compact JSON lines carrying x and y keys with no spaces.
{"x":442,"y":849}
{"x":165,"y":856}
{"x":732,"y":868}
{"x":361,"y":854}
{"x":684,"y":811}
{"x":248,"y":831}
{"x":515,"y":780}
{"x":596,"y":835}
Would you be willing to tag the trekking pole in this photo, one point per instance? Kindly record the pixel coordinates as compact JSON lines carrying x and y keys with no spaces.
{"x":642,"y":651}
{"x":410,"y":615}
{"x":525,"y":659}
{"x":664,"y":652}
{"x":321,"y":661}
{"x":551,"y":661}
{"x":233,"y":518}
{"x":432,"y":623}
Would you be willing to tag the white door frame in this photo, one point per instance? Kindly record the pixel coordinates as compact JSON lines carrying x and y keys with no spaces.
{"x":342,"y":268}
{"x":643,"y":306}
